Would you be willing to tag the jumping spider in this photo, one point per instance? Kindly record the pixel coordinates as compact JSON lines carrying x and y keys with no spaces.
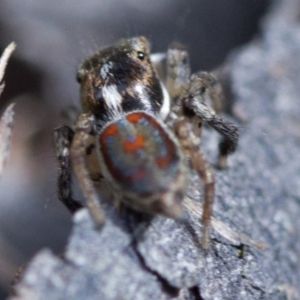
{"x":134,"y":133}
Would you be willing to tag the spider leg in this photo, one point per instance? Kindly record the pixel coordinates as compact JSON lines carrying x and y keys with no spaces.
{"x":213,"y":92}
{"x":62,"y":138}
{"x":84,"y":129}
{"x":194,"y":103}
{"x":178,"y":70}
{"x":191,"y":143}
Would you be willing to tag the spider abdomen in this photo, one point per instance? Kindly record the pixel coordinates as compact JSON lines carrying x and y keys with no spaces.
{"x":139,"y":155}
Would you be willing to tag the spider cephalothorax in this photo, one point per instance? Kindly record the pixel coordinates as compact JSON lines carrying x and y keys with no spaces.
{"x":120,"y":79}
{"x":134,"y":133}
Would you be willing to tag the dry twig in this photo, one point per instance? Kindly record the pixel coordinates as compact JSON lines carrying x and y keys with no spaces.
{"x":6,"y":120}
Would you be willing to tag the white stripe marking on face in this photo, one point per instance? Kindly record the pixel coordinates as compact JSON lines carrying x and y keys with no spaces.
{"x":142,"y":95}
{"x":112,"y":97}
{"x":165,"y":109}
{"x":105,"y":70}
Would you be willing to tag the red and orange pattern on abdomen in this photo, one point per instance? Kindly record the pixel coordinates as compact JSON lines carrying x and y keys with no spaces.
{"x":139,"y":154}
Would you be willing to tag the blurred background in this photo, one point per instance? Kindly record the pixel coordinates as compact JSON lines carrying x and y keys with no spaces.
{"x":52,"y":38}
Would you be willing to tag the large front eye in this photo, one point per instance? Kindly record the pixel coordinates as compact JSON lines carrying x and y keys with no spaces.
{"x":78,"y":78}
{"x":140,"y":55}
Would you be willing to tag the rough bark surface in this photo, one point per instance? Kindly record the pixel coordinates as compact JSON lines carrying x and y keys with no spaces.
{"x":258,"y":196}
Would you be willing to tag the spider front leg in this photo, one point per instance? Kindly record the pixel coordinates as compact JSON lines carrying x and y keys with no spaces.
{"x":178,"y":70}
{"x":191,"y":144}
{"x":84,"y":131}
{"x":63,"y":137}
{"x":203,"y":88}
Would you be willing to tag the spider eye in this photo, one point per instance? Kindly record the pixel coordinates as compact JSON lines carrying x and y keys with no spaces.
{"x":140,"y":55}
{"x":185,"y":60}
{"x":202,"y":90}
{"x":78,"y":78}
